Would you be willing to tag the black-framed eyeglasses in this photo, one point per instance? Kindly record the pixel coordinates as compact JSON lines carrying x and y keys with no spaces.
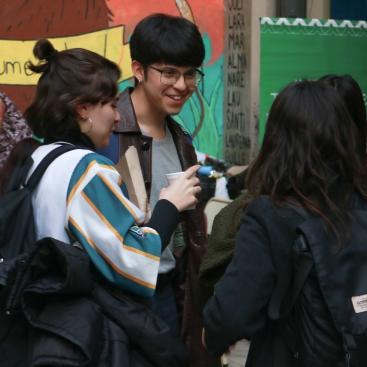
{"x":170,"y":76}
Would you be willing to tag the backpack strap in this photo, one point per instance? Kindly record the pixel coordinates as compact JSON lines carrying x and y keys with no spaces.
{"x":46,"y":161}
{"x":302,"y":259}
{"x":304,"y":263}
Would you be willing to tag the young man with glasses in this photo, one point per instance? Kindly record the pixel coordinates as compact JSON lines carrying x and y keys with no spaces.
{"x":167,"y":53}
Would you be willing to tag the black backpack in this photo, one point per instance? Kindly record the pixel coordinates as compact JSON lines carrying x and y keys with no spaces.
{"x":17,"y":236}
{"x":327,"y":318}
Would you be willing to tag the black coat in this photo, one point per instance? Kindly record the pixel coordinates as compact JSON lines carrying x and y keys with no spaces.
{"x":253,"y":298}
{"x":247,"y":299}
{"x":65,"y":317}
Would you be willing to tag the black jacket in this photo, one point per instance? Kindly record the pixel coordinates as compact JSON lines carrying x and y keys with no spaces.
{"x":64,"y":315}
{"x":248,"y":299}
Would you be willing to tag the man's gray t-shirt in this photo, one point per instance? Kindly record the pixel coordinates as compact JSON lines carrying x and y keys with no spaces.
{"x":164,"y":160}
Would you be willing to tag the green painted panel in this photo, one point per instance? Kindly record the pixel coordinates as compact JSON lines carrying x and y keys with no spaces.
{"x":293,"y":49}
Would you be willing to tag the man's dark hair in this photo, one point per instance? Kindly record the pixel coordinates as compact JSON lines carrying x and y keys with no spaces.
{"x":169,"y":39}
{"x":69,"y":78}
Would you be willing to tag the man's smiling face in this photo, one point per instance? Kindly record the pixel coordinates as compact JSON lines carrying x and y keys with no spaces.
{"x":168,"y":99}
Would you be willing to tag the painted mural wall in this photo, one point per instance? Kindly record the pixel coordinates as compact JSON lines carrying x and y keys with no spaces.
{"x":105,"y":26}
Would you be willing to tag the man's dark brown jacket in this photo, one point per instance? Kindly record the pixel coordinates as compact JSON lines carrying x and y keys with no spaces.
{"x":188,"y":261}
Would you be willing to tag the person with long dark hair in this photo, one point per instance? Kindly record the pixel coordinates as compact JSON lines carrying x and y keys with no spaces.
{"x":352,"y":95}
{"x":310,"y":162}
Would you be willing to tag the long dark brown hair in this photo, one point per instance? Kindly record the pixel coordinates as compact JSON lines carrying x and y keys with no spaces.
{"x":310,"y":151}
{"x":351,"y":93}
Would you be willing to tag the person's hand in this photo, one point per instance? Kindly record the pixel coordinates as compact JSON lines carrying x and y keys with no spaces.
{"x":182,"y":192}
{"x":224,"y":357}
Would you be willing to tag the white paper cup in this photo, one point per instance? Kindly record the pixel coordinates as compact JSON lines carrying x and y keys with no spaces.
{"x":171,"y":177}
